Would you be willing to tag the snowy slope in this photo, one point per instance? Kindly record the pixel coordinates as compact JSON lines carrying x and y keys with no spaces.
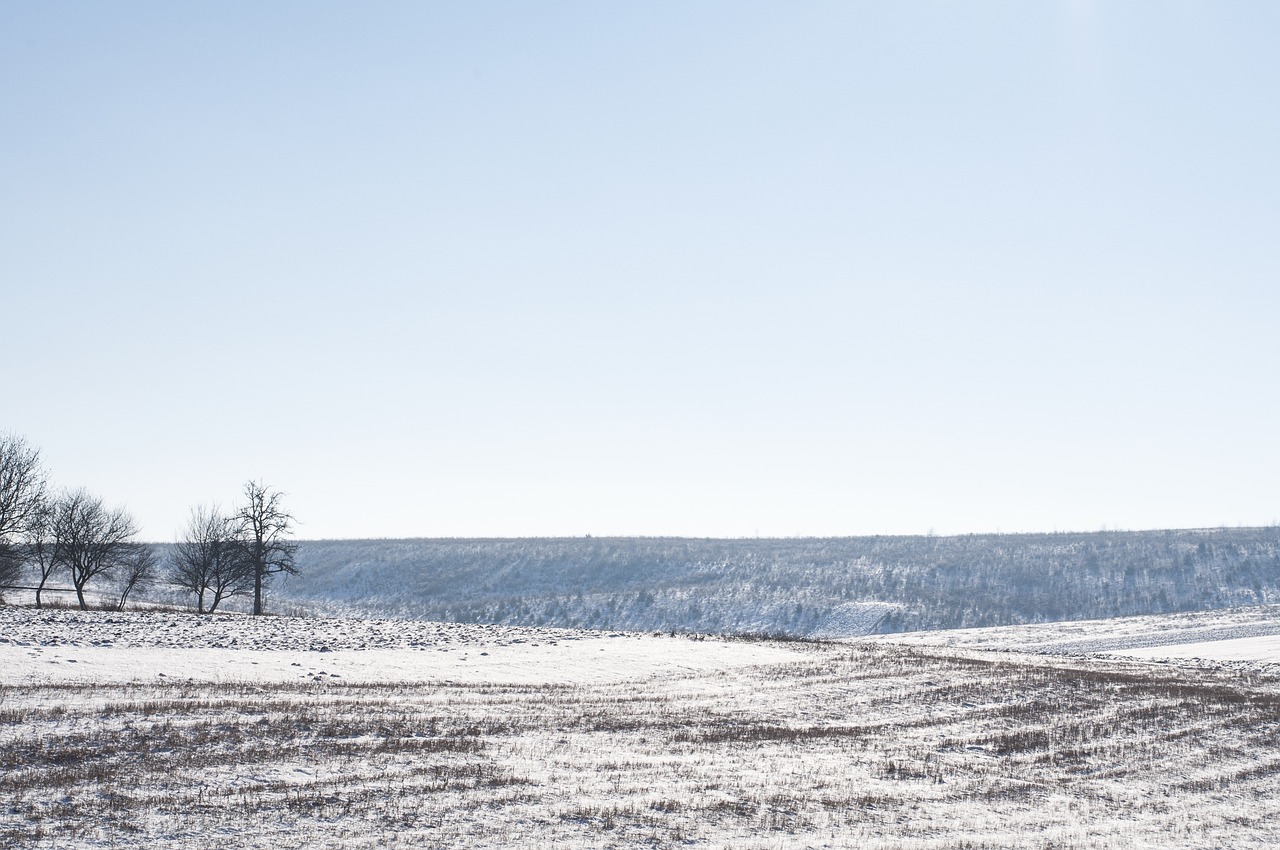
{"x":99,"y":647}
{"x":154,"y":730}
{"x":804,"y":586}
{"x":1251,"y":633}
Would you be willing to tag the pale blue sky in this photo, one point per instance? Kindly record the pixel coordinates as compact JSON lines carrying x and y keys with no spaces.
{"x":655,"y":268}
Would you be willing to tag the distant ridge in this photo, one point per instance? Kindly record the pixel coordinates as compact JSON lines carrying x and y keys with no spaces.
{"x":799,"y":586}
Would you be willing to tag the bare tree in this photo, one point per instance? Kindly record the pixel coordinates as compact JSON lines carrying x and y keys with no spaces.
{"x":22,"y":485}
{"x":91,"y":540}
{"x":11,"y":563}
{"x":263,"y":526}
{"x":22,"y":492}
{"x":138,"y":569}
{"x":42,"y":546}
{"x":210,"y":559}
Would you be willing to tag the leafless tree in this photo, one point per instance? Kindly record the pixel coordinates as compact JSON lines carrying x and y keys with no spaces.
{"x":42,"y":546}
{"x":11,"y":562}
{"x":138,"y":569}
{"x":22,"y":485}
{"x":90,"y":539}
{"x":263,"y":526}
{"x":210,"y":559}
{"x":22,"y":492}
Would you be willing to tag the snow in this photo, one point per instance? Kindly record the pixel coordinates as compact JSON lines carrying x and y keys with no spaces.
{"x":58,"y":647}
{"x":797,"y":586}
{"x":1264,"y":649}
{"x":160,"y":730}
{"x":1208,"y":634}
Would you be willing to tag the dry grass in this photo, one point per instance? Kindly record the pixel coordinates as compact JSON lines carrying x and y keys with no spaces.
{"x":874,"y":746}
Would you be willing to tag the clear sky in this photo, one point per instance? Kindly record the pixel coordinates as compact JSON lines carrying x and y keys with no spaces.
{"x":689,"y":268}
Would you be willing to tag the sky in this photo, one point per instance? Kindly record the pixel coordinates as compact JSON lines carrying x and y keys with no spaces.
{"x":672,"y":268}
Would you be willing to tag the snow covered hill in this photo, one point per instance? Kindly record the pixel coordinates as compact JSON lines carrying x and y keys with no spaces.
{"x":826,"y":587}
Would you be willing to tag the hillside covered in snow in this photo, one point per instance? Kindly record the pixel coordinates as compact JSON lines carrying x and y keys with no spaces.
{"x":803,"y":586}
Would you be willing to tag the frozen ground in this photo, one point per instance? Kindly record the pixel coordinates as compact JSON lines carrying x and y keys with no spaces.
{"x":62,"y":646}
{"x":1255,"y":650}
{"x":281,"y":733}
{"x":1231,"y":634}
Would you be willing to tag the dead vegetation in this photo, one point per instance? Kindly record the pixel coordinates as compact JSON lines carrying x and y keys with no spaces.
{"x":869,"y":746}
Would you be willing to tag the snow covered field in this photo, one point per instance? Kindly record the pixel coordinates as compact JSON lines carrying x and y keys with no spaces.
{"x":63,"y":646}
{"x":1236,"y":634}
{"x":170,"y":730}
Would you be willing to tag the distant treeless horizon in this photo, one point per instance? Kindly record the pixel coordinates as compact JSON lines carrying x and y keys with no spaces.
{"x":698,"y":269}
